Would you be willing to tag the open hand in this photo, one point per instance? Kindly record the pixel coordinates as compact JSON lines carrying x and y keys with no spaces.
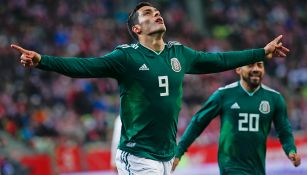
{"x":28,"y":58}
{"x":275,"y":48}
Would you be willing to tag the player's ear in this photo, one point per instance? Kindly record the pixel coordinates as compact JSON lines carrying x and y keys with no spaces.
{"x":137,"y":29}
{"x":238,"y":70}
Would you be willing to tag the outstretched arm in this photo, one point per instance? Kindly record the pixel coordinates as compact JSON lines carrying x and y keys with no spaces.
{"x":205,"y":62}
{"x":110,"y":65}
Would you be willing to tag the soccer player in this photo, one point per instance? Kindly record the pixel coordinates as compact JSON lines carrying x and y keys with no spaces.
{"x":150,"y":75}
{"x":246,"y":109}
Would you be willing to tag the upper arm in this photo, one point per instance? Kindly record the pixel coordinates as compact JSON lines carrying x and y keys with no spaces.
{"x":203,"y":62}
{"x":210,"y":109}
{"x":280,"y":119}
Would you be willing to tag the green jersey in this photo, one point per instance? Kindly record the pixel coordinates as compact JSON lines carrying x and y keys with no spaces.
{"x":245,"y":124}
{"x":150,"y":86}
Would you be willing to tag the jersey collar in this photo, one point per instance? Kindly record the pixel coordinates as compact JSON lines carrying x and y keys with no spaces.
{"x":249,"y":93}
{"x":148,"y":50}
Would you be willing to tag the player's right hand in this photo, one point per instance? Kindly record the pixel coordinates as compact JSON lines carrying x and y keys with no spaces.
{"x":295,"y":159}
{"x":175,"y":163}
{"x":28,"y":58}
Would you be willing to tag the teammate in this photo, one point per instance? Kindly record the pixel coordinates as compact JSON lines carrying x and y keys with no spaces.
{"x":246,"y":108}
{"x":150,"y":75}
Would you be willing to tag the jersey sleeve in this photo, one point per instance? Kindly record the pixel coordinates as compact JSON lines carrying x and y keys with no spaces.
{"x":199,"y":122}
{"x":199,"y":62}
{"x":110,"y":65}
{"x":283,"y":127}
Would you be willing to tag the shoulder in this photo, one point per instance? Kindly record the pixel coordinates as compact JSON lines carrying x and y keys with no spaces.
{"x":171,"y":44}
{"x":127,"y":46}
{"x":229,"y":86}
{"x":270,"y":90}
{"x":228,"y":89}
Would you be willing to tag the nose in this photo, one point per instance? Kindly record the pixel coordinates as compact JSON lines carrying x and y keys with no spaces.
{"x":255,"y":68}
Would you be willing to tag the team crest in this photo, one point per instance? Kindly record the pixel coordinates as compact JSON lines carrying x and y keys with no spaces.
{"x":175,"y":65}
{"x":264,"y":107}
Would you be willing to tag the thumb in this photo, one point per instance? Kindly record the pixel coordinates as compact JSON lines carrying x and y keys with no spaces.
{"x":20,"y":49}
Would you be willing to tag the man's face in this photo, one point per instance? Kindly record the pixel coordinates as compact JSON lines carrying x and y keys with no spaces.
{"x":150,"y":21}
{"x":252,"y":74}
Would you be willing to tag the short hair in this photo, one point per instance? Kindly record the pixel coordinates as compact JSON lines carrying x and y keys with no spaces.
{"x":133,"y":18}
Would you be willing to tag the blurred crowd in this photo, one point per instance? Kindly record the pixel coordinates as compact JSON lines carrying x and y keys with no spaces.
{"x":36,"y":104}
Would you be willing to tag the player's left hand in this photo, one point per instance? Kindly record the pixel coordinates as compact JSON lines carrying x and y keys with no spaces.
{"x":295,"y":159}
{"x":275,"y":48}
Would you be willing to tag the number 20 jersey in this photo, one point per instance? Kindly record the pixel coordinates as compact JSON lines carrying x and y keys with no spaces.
{"x":246,"y":120}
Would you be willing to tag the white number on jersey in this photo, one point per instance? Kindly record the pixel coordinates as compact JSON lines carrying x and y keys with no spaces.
{"x":163,"y":82}
{"x":248,"y":122}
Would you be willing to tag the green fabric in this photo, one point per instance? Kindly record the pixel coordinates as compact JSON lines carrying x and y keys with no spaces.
{"x":245,"y":124}
{"x":150,"y":88}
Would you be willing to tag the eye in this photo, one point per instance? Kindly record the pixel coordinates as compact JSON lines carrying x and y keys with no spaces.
{"x":260,"y":65}
{"x":146,"y":13}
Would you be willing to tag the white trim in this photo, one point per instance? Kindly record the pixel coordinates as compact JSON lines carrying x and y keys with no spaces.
{"x":232,"y":85}
{"x":153,"y":50}
{"x":249,"y":93}
{"x":269,"y":89}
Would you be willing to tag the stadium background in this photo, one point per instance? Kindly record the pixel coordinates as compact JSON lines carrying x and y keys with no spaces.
{"x":52,"y":124}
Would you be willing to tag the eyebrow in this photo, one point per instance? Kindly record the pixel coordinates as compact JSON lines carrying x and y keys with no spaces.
{"x":150,"y":10}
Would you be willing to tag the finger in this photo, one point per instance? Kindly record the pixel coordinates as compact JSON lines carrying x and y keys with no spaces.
{"x":20,"y":49}
{"x":280,"y":53}
{"x":277,"y":39}
{"x":25,"y":57}
{"x":284,"y":49}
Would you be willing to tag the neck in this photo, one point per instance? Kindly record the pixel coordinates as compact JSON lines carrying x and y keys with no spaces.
{"x":247,"y":87}
{"x":155,"y":43}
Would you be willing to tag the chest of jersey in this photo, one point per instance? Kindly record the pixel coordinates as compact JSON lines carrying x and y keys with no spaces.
{"x":248,"y":113}
{"x":159,"y":74}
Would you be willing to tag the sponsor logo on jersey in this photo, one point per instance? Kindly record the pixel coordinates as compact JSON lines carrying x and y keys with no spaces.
{"x":175,"y":65}
{"x":235,"y":106}
{"x":144,"y":67}
{"x":264,"y":107}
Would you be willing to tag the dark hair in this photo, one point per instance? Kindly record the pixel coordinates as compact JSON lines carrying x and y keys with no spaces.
{"x":133,"y":18}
